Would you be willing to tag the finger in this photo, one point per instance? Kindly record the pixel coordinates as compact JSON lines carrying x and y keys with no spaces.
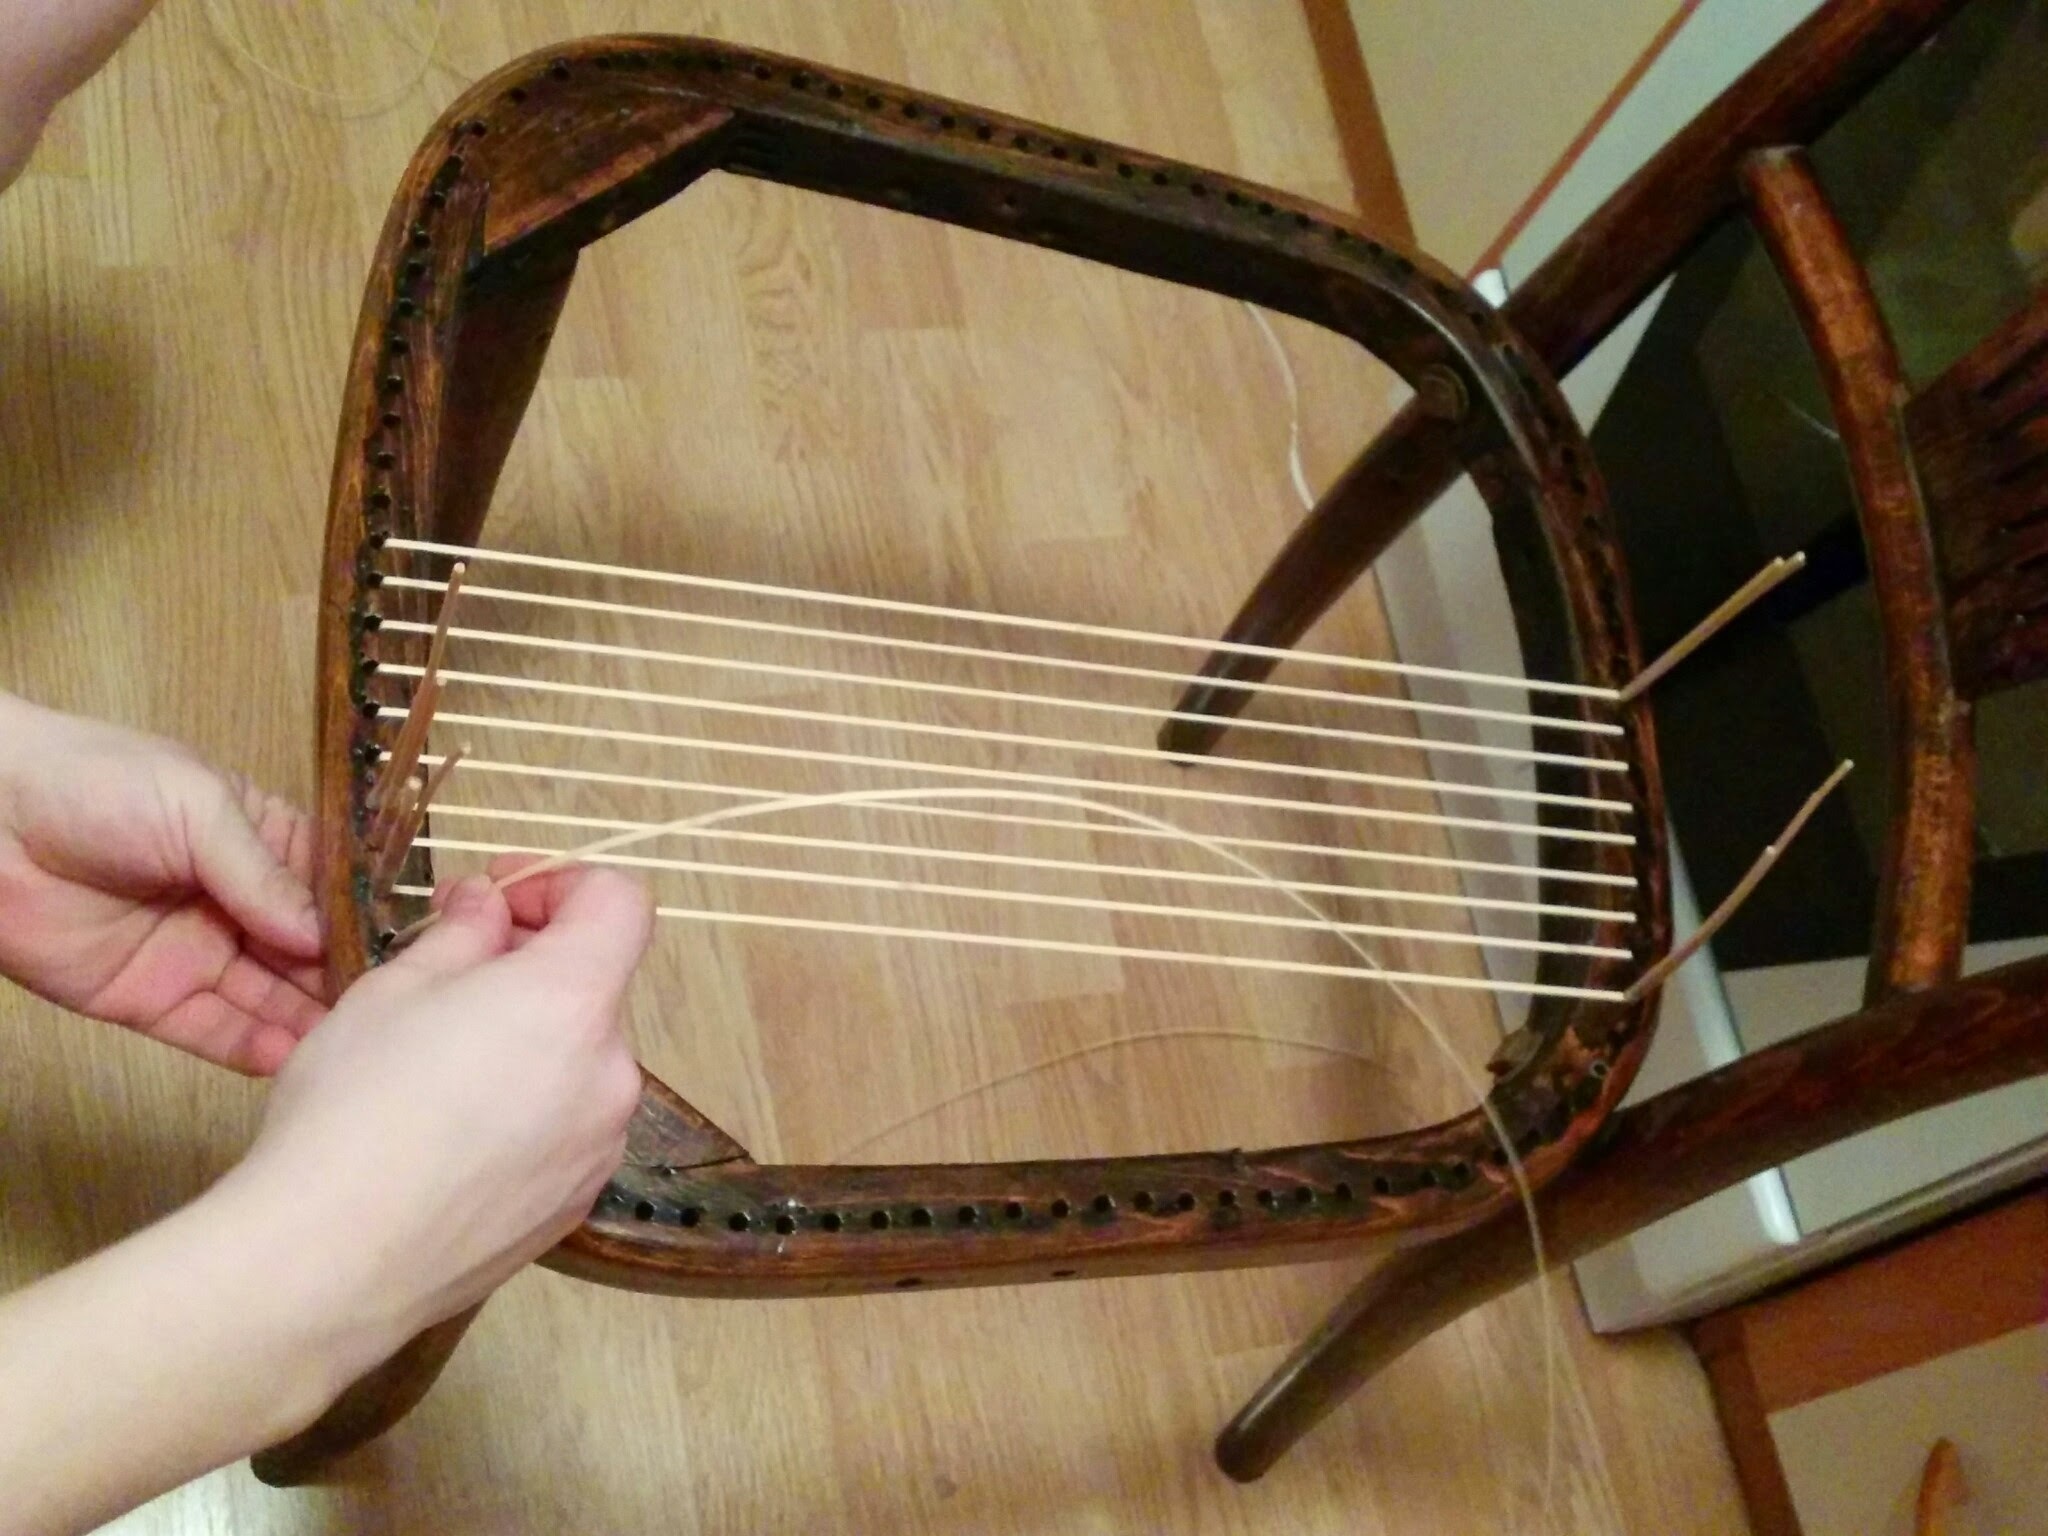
{"x":438,"y":897}
{"x":286,"y":830}
{"x":248,"y":880}
{"x":437,"y":901}
{"x":264,"y":994}
{"x":475,"y":926}
{"x":533,"y":900}
{"x":311,"y":979}
{"x":503,"y":866}
{"x":309,"y":976}
{"x":208,"y":1026}
{"x":597,"y":925}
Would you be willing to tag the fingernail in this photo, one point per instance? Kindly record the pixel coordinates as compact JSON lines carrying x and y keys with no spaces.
{"x":308,"y":922}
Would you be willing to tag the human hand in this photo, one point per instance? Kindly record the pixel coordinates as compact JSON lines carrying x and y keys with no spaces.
{"x":140,"y":886}
{"x":459,"y":1111}
{"x":453,"y":1117}
{"x":53,"y":47}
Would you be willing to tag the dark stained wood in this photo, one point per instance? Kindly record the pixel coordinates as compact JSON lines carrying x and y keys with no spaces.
{"x":1980,"y":437}
{"x":567,"y":147}
{"x":495,"y":356}
{"x":1923,"y":901}
{"x":438,"y":380}
{"x":1369,"y":506}
{"x":665,"y":1131}
{"x":472,"y":267}
{"x":1791,"y":96}
{"x":1563,"y":310}
{"x":1985,"y":440}
{"x":1912,"y":1053}
{"x":555,"y":151}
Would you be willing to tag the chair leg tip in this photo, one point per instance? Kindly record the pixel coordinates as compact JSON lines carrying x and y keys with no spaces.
{"x":1183,"y":737}
{"x":1238,"y":1460}
{"x":275,"y":1471}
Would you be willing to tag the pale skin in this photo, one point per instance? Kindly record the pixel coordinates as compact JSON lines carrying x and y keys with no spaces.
{"x":442,"y":1124}
{"x":52,"y":48}
{"x":451,"y":1118}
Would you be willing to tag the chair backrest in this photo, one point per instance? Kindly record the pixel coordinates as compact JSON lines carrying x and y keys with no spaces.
{"x":1923,"y":902}
{"x":1980,"y":441}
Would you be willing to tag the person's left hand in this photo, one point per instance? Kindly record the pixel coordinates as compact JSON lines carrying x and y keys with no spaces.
{"x":140,"y":886}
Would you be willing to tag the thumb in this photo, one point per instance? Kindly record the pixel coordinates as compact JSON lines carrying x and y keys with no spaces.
{"x":598,"y":926}
{"x":475,"y":926}
{"x":249,"y":881}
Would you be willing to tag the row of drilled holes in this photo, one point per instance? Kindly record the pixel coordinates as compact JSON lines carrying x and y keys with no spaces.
{"x":1459,"y":1173}
{"x":804,"y":80}
{"x":1451,"y":1176}
{"x":913,"y":111}
{"x":1469,"y":305}
{"x":1028,"y":143}
{"x":419,"y":240}
{"x":379,"y":448}
{"x":988,"y":133}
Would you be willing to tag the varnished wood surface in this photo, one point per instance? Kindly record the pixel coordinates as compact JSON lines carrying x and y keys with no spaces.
{"x":570,"y":142}
{"x":1980,"y":438}
{"x":1923,"y":899}
{"x":1680,"y":1146}
{"x":773,"y":386}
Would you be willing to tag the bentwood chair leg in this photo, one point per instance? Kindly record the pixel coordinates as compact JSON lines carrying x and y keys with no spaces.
{"x":1910,"y":1053}
{"x":1399,"y":1304}
{"x":1385,"y":489}
{"x":366,"y":1409}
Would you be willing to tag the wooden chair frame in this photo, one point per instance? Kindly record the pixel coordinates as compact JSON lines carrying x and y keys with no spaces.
{"x":475,"y":260}
{"x":549,"y":154}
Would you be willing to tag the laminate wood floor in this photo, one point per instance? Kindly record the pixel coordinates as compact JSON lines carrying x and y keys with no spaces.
{"x":763,"y":384}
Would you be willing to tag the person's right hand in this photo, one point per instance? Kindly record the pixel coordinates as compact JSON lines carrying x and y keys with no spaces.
{"x":462,"y":1106}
